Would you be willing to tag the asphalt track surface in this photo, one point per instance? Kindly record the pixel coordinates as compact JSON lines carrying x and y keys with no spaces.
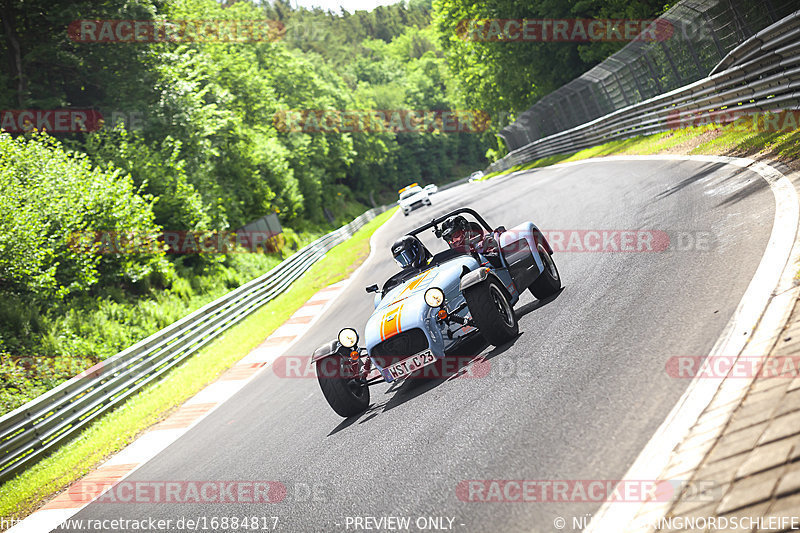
{"x":576,"y":396}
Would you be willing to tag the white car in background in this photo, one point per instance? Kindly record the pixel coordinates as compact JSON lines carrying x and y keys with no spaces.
{"x":412,"y":197}
{"x":432,"y":188}
{"x":475,"y":176}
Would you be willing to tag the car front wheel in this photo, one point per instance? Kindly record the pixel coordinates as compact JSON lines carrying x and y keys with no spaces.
{"x":346,"y":395}
{"x":492,"y":312}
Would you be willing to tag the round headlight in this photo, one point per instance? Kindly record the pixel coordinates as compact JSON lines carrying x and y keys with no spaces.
{"x":348,"y":337}
{"x":434,"y":297}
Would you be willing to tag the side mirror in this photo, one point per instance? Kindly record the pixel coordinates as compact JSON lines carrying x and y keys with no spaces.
{"x":373,"y":288}
{"x":500,"y":229}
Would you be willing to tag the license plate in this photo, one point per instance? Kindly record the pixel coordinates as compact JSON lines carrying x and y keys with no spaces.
{"x":410,"y":365}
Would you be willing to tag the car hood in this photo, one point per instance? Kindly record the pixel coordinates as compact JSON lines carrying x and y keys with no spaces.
{"x":411,"y":199}
{"x":404,"y":306}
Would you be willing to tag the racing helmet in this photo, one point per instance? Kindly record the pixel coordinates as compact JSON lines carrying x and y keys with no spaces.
{"x":462,"y":235}
{"x":410,"y":252}
{"x":454,"y":231}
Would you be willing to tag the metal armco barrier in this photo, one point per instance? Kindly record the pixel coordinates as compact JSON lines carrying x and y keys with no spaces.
{"x":42,"y":425}
{"x":762,"y":73}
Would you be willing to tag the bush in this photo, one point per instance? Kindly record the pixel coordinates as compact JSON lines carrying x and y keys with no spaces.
{"x":51,"y":203}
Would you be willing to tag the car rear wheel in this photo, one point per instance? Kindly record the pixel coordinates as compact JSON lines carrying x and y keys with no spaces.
{"x":346,"y":395}
{"x":492,"y":312}
{"x":549,"y":282}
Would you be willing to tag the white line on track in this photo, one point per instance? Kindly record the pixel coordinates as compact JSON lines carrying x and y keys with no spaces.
{"x":751,"y":331}
{"x":198,"y":407}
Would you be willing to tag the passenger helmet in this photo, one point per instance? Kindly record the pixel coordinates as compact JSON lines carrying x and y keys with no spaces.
{"x":461,"y":234}
{"x":454,"y":231}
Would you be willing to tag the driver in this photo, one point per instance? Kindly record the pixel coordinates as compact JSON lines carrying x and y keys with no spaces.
{"x":460,"y":234}
{"x":410,"y":252}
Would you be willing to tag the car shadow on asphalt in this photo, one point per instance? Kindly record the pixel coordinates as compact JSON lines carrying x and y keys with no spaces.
{"x":471,"y":363}
{"x":703,"y":172}
{"x":530,"y":307}
{"x":753,"y":185}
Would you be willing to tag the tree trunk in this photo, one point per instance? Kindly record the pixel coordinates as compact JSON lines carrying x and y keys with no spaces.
{"x":14,"y":51}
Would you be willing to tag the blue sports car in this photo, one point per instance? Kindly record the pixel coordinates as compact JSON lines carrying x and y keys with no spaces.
{"x":426,"y":309}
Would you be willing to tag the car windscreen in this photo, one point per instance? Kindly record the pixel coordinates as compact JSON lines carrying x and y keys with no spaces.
{"x":410,"y":192}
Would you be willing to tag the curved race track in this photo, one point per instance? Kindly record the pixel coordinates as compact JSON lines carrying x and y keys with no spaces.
{"x":576,"y":396}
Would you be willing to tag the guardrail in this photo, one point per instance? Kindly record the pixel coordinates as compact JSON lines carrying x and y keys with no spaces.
{"x":40,"y":426}
{"x":761,"y":74}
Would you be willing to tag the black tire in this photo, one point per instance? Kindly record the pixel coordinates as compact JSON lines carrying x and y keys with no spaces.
{"x":345,"y":395}
{"x":491,"y":312}
{"x":549,"y":282}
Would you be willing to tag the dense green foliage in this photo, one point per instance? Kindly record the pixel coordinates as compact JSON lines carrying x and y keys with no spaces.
{"x":512,"y":76}
{"x":191,"y":143}
{"x":62,"y":309}
{"x":49,"y":198}
{"x":202,"y":138}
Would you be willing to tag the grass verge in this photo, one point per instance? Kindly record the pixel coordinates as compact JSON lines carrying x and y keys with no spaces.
{"x":735,"y":139}
{"x":29,"y":490}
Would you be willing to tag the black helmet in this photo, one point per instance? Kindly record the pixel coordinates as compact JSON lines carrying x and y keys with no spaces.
{"x":461,"y":234}
{"x":453,"y":230}
{"x":410,"y":252}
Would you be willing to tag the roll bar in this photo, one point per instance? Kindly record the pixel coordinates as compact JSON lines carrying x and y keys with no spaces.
{"x":434,"y":223}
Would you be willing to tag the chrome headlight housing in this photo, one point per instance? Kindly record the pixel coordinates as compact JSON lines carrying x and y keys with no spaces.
{"x":348,"y":337}
{"x":434,"y":297}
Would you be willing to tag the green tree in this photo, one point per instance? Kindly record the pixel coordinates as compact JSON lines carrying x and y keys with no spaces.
{"x":511,"y":76}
